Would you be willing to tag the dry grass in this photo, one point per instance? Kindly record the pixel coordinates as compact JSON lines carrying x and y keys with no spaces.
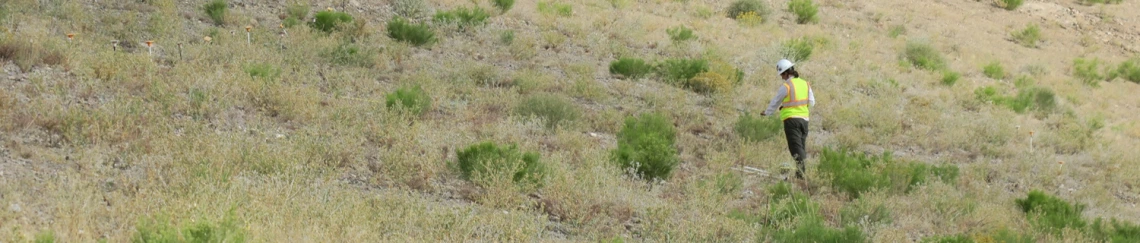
{"x":96,"y":140}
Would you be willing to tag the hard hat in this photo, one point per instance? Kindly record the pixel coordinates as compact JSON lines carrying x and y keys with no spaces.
{"x":783,"y":65}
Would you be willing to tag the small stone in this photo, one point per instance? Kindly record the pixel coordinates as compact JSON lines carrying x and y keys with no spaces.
{"x":14,"y":208}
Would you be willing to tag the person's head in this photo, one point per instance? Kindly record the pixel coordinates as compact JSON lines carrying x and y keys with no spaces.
{"x":786,"y":69}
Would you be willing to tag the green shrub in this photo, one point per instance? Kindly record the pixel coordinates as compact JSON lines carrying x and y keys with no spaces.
{"x":755,"y":129}
{"x":805,"y":11}
{"x":217,"y":11}
{"x":961,"y":238}
{"x":855,"y":173}
{"x":555,"y":8}
{"x":779,"y":191}
{"x":813,"y":231}
{"x":680,"y":34}
{"x":1010,"y":4}
{"x":896,"y":31}
{"x":329,"y":20}
{"x":415,"y":34}
{"x":946,"y":173}
{"x":1121,"y":231}
{"x":743,"y":7}
{"x":949,"y":78}
{"x":160,"y":230}
{"x":1028,"y":37}
{"x":679,"y":71}
{"x":793,"y":206}
{"x":1032,"y":98}
{"x":411,"y":99}
{"x":46,"y":236}
{"x":994,"y":70}
{"x":462,"y":16}
{"x":631,"y":68}
{"x":800,"y":49}
{"x":646,"y":147}
{"x":1129,"y":70}
{"x":503,"y":5}
{"x":351,"y":55}
{"x":555,"y":111}
{"x":1088,"y":71}
{"x":295,"y":14}
{"x":488,"y":159}
{"x":924,"y":56}
{"x":1051,"y":213}
{"x":262,"y":70}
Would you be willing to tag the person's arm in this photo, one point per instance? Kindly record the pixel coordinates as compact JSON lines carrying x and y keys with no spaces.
{"x":811,"y":98}
{"x":774,"y":105}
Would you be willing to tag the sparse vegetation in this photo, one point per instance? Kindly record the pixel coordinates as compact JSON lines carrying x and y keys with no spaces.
{"x":815,"y":231}
{"x":415,"y":34}
{"x":1051,"y":213}
{"x":1010,"y":4}
{"x":800,"y":49}
{"x":805,"y":11}
{"x":856,"y":174}
{"x":994,"y":70}
{"x":329,"y":20}
{"x":924,"y":56}
{"x":262,"y":70}
{"x":160,"y":230}
{"x":896,"y":31}
{"x":555,"y":8}
{"x":1091,"y":2}
{"x":757,"y":129}
{"x":349,"y":54}
{"x":631,"y":68}
{"x":647,"y":147}
{"x":410,"y":9}
{"x":1028,"y":37}
{"x":464,"y":17}
{"x":483,"y":160}
{"x":752,"y":9}
{"x":296,"y":14}
{"x":949,"y":78}
{"x":412,"y":99}
{"x":680,"y":71}
{"x":503,"y":5}
{"x":1088,"y":71}
{"x":216,"y":10}
{"x":680,"y":34}
{"x":29,"y":55}
{"x":1128,"y":70}
{"x":554,"y":111}
{"x":1028,"y":98}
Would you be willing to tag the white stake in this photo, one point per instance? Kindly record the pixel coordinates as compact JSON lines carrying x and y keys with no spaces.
{"x":248,"y":39}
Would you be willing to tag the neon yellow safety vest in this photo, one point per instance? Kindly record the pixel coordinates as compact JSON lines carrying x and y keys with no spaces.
{"x":796,"y":103}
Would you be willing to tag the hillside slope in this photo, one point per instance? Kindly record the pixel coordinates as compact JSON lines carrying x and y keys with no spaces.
{"x":288,"y":134}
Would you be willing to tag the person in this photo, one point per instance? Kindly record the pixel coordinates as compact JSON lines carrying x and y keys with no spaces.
{"x":793,"y":99}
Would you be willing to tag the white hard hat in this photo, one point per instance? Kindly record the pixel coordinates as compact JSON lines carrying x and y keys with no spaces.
{"x":783,"y":65}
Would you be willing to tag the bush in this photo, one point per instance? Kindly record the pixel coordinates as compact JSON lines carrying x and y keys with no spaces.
{"x":948,"y":239}
{"x":1088,"y":71}
{"x":351,"y":54}
{"x":410,"y":9}
{"x":329,"y":20}
{"x":742,"y":8}
{"x":1121,"y":231}
{"x":410,"y":99}
{"x":855,"y":174}
{"x":160,"y":230}
{"x":805,"y":11}
{"x":1028,"y":37}
{"x":488,"y":159}
{"x":679,"y":71}
{"x":27,"y":55}
{"x":46,"y":236}
{"x":680,"y":33}
{"x":1051,"y":213}
{"x":924,"y":56}
{"x":779,"y":191}
{"x":949,"y":78}
{"x":503,"y":5}
{"x":632,"y":68}
{"x":462,"y":16}
{"x":1010,"y":4}
{"x":812,"y":231}
{"x":553,"y":110}
{"x":415,"y":34}
{"x":800,"y":49}
{"x":793,"y":206}
{"x":296,"y":14}
{"x":1029,"y":98}
{"x":709,"y":82}
{"x":556,"y":8}
{"x":1129,"y":70}
{"x":262,"y":70}
{"x":646,"y":147}
{"x":994,"y":70}
{"x":755,"y":129}
{"x":217,"y":11}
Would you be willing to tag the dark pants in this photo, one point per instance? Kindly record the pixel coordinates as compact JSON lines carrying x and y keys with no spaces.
{"x":796,"y":130}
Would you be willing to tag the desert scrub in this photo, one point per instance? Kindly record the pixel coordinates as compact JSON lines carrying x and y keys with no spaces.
{"x":1051,"y":213}
{"x":348,"y":54}
{"x":1128,"y":70}
{"x":855,"y":173}
{"x":555,"y":111}
{"x":1028,"y":37}
{"x":415,"y":34}
{"x":805,"y":11}
{"x":800,"y":49}
{"x":412,"y":99}
{"x":754,"y":8}
{"x":896,"y":31}
{"x":462,"y":16}
{"x":1010,"y":4}
{"x":503,"y":5}
{"x":262,"y":70}
{"x":994,"y":70}
{"x":1120,"y":231}
{"x":1088,"y":71}
{"x":216,"y":10}
{"x":862,"y":213}
{"x":410,"y":9}
{"x":484,"y":160}
{"x":27,"y":56}
{"x":679,"y":71}
{"x":960,"y":238}
{"x":630,"y":68}
{"x":949,"y":78}
{"x":295,"y":14}
{"x":1028,"y":98}
{"x":923,"y":56}
{"x":555,"y":8}
{"x":755,"y":129}
{"x":680,"y":34}
{"x":330,"y":20}
{"x":814,"y":230}
{"x":158,"y":229}
{"x":646,"y":147}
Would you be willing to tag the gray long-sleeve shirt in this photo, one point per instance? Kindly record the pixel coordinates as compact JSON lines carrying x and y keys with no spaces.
{"x":774,"y":105}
